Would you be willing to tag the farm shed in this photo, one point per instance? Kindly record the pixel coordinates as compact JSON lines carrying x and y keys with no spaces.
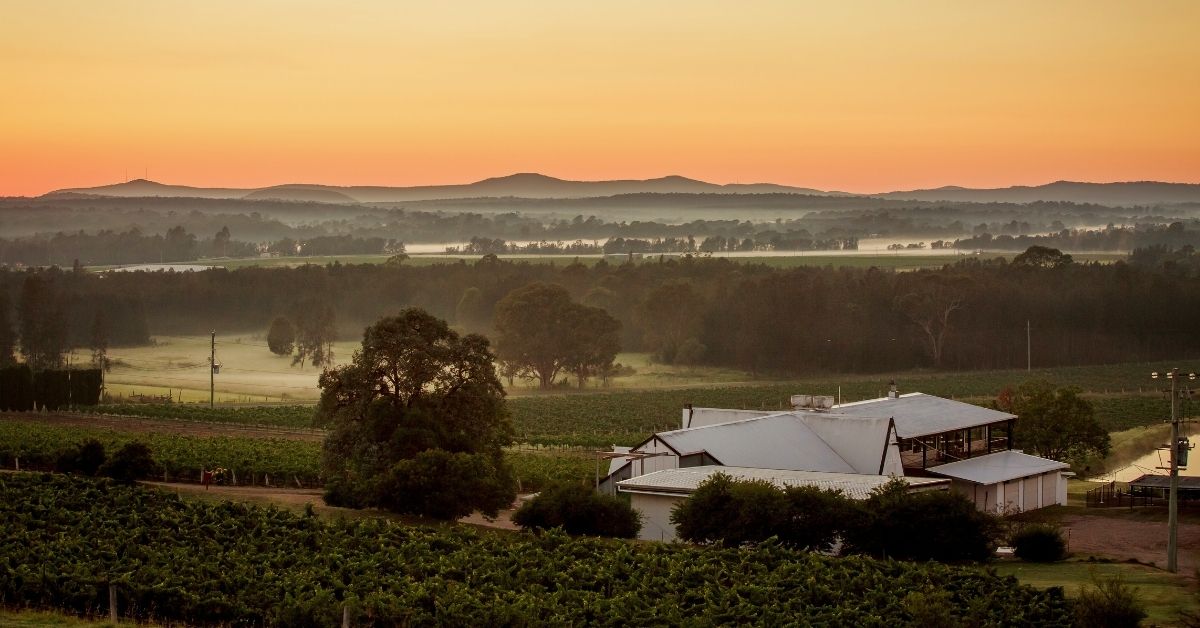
{"x":655,"y":494}
{"x":934,"y":430}
{"x":1008,"y":481}
{"x":967,"y":448}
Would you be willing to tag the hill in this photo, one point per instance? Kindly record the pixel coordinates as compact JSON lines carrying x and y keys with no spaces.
{"x":1111,"y":194}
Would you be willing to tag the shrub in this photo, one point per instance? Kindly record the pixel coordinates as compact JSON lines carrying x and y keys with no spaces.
{"x":1039,"y":543}
{"x":444,"y":485}
{"x":578,"y":509}
{"x":1109,"y":603}
{"x":730,"y":512}
{"x":131,"y":463}
{"x":933,"y":525}
{"x":85,"y":458}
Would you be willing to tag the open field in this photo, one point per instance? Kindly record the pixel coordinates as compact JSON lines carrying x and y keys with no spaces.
{"x":851,"y":259}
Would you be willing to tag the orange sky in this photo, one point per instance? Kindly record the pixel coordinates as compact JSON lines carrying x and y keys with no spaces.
{"x":859,"y":96}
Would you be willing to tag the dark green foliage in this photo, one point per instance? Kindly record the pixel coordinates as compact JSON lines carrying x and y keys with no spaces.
{"x":281,"y":337}
{"x":16,"y":388}
{"x":733,"y":513}
{"x":1055,"y":422}
{"x":932,"y":525}
{"x":1039,"y":543}
{"x":51,"y":389}
{"x":43,"y":323}
{"x":415,"y":397}
{"x":131,"y":463}
{"x":198,"y":562}
{"x":85,"y":458}
{"x":444,"y":485}
{"x":578,"y":509}
{"x":1109,"y":603}
{"x":542,"y":332}
{"x":8,"y":335}
{"x":60,"y":389}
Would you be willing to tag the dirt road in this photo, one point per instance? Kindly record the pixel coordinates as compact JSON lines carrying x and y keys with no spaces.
{"x":297,"y":498}
{"x":1124,"y":539}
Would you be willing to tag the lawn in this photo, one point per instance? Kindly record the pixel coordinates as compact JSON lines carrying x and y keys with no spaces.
{"x":1165,"y":594}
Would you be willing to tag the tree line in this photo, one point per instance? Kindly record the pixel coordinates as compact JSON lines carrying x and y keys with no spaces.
{"x":969,"y":315}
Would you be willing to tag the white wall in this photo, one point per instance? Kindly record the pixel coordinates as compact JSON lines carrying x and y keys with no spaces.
{"x":656,"y":515}
{"x":642,"y":466}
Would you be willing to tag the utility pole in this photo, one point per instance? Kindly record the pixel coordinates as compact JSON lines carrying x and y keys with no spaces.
{"x":212,"y":368}
{"x":1173,"y":499}
{"x":1028,"y":347}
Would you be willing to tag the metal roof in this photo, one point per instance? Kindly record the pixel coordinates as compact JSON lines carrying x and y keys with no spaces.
{"x":1152,"y":480}
{"x":998,"y":467}
{"x":685,"y":481}
{"x":918,"y":414}
{"x":779,"y":441}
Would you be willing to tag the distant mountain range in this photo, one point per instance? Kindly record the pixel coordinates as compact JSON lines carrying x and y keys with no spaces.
{"x":538,"y":186}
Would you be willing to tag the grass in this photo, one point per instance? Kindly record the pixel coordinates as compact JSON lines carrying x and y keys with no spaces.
{"x":28,"y":618}
{"x":1164,"y":594}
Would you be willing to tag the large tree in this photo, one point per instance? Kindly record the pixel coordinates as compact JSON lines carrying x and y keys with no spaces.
{"x":8,"y":337}
{"x":672,"y":315}
{"x":313,"y":320}
{"x":281,"y":336}
{"x":930,"y":305}
{"x":44,"y":337}
{"x":1054,"y":423}
{"x":542,"y":331}
{"x":417,"y":415}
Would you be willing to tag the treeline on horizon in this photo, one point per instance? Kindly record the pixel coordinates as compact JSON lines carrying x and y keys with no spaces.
{"x":970,"y":315}
{"x":178,"y":245}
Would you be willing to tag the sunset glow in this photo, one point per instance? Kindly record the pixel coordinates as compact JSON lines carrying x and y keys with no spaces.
{"x":856,"y":96}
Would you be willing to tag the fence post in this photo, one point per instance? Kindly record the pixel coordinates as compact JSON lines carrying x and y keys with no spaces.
{"x":345,"y":616}
{"x":112,"y":603}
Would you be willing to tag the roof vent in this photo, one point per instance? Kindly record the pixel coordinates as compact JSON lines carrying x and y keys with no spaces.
{"x":893,"y":391}
{"x":812,"y":402}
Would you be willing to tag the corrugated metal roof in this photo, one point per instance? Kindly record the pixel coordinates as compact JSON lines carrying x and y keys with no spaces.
{"x":779,"y":441}
{"x":998,"y":467}
{"x":1152,"y":480}
{"x":918,"y":414}
{"x":685,"y":481}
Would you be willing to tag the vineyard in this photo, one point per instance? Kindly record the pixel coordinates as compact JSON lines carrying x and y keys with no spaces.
{"x":280,"y":416}
{"x":252,"y":460}
{"x":68,"y":539}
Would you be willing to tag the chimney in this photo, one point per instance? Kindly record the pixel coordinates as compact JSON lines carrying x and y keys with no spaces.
{"x":893,"y":391}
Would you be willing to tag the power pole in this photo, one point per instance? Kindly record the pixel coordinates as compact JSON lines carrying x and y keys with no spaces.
{"x":1028,"y":347}
{"x":1173,"y":497}
{"x":212,"y":368}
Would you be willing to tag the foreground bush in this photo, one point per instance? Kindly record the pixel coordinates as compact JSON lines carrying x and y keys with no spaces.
{"x":1109,"y":603}
{"x":85,"y":458}
{"x":578,"y":509}
{"x":892,"y":523}
{"x":131,"y":463}
{"x":202,"y":562}
{"x":1039,"y":543}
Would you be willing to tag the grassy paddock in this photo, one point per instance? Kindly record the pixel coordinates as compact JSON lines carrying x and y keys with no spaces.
{"x":1164,"y":594}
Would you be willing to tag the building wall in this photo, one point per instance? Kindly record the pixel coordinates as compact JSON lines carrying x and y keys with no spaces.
{"x":656,"y":515}
{"x":642,"y":466}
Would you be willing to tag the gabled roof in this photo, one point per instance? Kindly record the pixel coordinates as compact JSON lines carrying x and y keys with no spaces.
{"x":918,"y":414}
{"x":685,"y":481}
{"x":998,"y":467}
{"x":778,"y":441}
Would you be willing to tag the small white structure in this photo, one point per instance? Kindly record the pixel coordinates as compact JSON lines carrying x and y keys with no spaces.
{"x":655,"y":494}
{"x":1008,"y":481}
{"x":932,"y":442}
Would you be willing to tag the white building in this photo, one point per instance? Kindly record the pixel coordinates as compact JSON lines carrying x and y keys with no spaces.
{"x":933,"y":443}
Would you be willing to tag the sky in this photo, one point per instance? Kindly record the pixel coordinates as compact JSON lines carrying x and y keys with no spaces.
{"x":845,"y":95}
